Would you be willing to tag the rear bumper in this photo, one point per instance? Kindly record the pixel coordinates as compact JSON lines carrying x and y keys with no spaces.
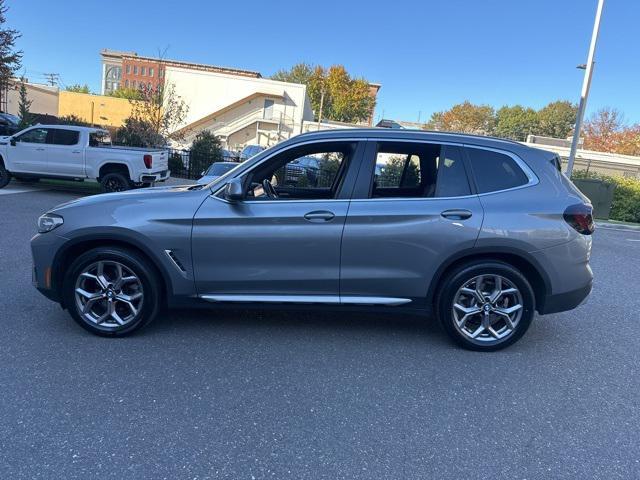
{"x":562,"y":302}
{"x":155,"y":177}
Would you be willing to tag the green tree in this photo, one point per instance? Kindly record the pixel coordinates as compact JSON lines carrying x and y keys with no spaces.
{"x":77,"y":88}
{"x":557,"y":119}
{"x":137,"y":133}
{"x":465,"y":117}
{"x":72,"y":120}
{"x":299,"y":73}
{"x":128,"y":93}
{"x":205,"y":150}
{"x":516,"y":122}
{"x":346,"y":99}
{"x":10,"y":58}
{"x":24,"y":105}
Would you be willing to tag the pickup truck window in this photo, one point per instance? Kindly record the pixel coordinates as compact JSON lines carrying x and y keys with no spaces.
{"x":99,"y":139}
{"x":58,"y":136}
{"x":37,"y":135}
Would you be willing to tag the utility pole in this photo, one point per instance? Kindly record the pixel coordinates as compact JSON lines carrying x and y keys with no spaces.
{"x":321,"y":104}
{"x":586,"y":85}
{"x":52,"y":78}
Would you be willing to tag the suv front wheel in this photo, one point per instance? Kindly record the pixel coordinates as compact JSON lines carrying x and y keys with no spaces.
{"x":112,"y":291}
{"x":485,"y":305}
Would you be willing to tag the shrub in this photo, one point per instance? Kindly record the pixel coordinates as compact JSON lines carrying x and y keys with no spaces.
{"x":205,"y":150}
{"x":175,"y":163}
{"x":626,"y":196}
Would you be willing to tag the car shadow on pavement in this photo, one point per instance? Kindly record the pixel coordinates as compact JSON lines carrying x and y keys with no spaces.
{"x":295,"y":320}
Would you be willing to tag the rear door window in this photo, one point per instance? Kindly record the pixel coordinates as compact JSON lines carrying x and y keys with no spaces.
{"x":494,"y":171}
{"x":414,"y":170}
{"x":59,"y":136}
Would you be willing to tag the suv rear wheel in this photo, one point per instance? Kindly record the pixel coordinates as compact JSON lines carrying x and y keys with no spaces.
{"x":112,"y":291}
{"x":485,"y":305}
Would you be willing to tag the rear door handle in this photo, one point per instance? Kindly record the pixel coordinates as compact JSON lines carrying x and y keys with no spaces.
{"x":76,"y":151}
{"x":319,"y":216}
{"x":40,"y":149}
{"x":456,"y":214}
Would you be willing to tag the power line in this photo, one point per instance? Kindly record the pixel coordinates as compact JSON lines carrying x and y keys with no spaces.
{"x":52,"y":78}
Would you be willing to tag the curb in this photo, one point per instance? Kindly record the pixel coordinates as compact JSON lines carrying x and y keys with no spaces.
{"x":618,"y":226}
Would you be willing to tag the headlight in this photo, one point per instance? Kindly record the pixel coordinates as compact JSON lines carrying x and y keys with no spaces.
{"x":48,"y":222}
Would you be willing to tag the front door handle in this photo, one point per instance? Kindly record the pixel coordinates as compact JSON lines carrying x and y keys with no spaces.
{"x":40,"y":149}
{"x":456,"y":214}
{"x":319,"y":216}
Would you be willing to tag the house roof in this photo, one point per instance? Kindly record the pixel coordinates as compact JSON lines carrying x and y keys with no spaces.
{"x":207,"y":118}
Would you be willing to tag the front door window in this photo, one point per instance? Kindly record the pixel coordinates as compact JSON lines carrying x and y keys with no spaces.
{"x":308,"y":172}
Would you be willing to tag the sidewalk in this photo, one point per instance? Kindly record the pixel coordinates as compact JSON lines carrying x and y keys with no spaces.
{"x":615,"y":225}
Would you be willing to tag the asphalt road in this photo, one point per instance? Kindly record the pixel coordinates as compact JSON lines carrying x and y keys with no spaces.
{"x":245,"y":395}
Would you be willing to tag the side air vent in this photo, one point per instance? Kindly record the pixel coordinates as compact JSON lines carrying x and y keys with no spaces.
{"x":175,"y":260}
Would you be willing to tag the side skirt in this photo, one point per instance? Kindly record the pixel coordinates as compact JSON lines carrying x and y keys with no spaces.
{"x":307,"y":299}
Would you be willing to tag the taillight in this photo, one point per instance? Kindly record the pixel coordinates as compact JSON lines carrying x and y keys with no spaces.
{"x":580,"y":217}
{"x":148,"y":161}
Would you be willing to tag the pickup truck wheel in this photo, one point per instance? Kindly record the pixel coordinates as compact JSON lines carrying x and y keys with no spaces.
{"x":5,"y":176}
{"x":115,"y":182}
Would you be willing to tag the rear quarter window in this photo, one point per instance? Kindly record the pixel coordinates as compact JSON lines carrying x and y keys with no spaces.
{"x":494,"y":171}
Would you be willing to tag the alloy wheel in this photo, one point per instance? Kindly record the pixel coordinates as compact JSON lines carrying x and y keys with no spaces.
{"x":109,"y":294}
{"x":487,"y":309}
{"x":114,"y":185}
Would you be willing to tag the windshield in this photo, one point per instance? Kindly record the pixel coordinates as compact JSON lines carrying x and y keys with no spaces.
{"x":220,"y":168}
{"x":12,"y":119}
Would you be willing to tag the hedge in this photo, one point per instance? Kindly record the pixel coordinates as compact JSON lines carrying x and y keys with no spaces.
{"x":626,"y":196}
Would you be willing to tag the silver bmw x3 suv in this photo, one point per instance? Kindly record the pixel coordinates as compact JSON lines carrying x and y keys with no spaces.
{"x":480,"y":232}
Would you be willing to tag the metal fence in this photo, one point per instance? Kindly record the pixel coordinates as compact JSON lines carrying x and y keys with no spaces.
{"x":185,"y":164}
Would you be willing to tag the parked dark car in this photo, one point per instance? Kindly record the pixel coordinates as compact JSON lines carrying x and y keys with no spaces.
{"x":9,"y":124}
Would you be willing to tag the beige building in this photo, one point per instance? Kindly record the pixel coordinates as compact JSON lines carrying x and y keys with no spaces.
{"x":44,"y":98}
{"x":94,"y":109}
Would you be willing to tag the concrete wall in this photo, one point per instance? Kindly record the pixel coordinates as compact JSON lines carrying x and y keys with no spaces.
{"x":95,"y":109}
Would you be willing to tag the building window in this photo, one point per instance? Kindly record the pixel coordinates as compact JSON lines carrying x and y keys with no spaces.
{"x":128,"y":69}
{"x":161,"y":72}
{"x":135,"y":69}
{"x":143,"y":71}
{"x":126,"y":84}
{"x":150,"y":72}
{"x":149,"y":85}
{"x":133,"y":84}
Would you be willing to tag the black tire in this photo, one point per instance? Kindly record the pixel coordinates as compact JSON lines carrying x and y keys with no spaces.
{"x":5,"y":176}
{"x":457,"y":278}
{"x":137,"y":264}
{"x":115,"y":182}
{"x":27,"y":179}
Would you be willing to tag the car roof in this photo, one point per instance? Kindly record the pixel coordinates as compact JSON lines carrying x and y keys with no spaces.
{"x":70,"y":127}
{"x":413,"y":134}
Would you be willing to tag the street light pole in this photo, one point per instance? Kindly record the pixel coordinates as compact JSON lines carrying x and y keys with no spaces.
{"x":586,"y":85}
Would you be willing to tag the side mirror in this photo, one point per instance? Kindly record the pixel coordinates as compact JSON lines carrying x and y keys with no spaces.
{"x":12,"y":142}
{"x":234,"y":191}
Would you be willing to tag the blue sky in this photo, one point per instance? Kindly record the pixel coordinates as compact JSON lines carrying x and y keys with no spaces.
{"x":427,"y":54}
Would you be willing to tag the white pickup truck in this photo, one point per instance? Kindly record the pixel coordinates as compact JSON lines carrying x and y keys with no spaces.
{"x":79,"y":153}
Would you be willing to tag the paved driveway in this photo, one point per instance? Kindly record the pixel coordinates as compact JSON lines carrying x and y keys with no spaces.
{"x":234,"y":394}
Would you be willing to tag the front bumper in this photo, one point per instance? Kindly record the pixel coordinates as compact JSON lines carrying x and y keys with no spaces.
{"x":43,"y":251}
